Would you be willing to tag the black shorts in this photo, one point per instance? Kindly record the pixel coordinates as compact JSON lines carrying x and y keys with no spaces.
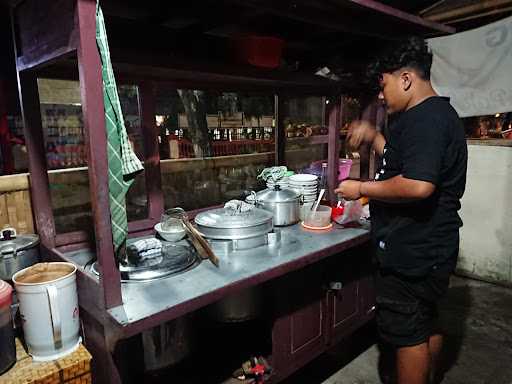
{"x":407,"y":307}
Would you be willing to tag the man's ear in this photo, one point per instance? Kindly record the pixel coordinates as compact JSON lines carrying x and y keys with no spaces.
{"x":406,"y":78}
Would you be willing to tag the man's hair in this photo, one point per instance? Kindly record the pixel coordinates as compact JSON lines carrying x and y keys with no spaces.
{"x":412,"y":52}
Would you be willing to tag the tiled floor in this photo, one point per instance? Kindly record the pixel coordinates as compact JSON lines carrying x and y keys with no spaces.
{"x":478,"y":323}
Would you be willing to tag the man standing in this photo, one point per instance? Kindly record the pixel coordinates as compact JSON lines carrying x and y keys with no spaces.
{"x":414,"y":201}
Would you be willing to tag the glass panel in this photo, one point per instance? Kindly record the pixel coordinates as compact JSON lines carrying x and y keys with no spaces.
{"x":498,"y":126}
{"x":14,"y":151}
{"x":304,"y":119}
{"x":213,"y":144}
{"x":351,"y":112}
{"x":136,"y":199}
{"x":66,"y":156}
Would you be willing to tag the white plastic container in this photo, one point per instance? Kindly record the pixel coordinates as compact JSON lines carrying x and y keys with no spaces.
{"x":320,"y":218}
{"x":49,"y":309}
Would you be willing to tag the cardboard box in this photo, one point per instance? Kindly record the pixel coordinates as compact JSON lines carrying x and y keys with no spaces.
{"x":74,"y":368}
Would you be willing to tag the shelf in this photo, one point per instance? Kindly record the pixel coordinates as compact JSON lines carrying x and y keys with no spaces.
{"x":318,"y":139}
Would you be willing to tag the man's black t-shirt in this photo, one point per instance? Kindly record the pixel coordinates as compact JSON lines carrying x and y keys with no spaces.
{"x":425,"y":143}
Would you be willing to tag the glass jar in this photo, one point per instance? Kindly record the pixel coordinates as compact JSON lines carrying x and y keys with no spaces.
{"x":172,"y":220}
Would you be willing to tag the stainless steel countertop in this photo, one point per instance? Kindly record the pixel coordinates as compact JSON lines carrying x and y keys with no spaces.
{"x":298,"y":247}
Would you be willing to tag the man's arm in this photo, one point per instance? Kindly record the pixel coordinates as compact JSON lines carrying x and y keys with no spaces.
{"x":378,"y":143}
{"x":362,"y":131}
{"x":396,"y":189}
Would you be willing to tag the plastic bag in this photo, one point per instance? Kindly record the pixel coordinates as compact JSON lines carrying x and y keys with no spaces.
{"x":352,"y":212}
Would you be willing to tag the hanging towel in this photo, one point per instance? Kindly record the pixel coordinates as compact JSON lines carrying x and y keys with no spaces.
{"x":473,"y":68}
{"x":123,"y":164}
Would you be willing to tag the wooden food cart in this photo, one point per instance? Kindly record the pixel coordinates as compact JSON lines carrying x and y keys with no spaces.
{"x":56,"y":38}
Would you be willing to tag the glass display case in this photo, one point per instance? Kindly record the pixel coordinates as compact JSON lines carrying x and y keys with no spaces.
{"x":212,"y":144}
{"x":64,"y":142}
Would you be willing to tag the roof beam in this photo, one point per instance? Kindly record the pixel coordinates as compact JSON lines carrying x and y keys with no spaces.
{"x":482,"y":7}
{"x":401,"y":15}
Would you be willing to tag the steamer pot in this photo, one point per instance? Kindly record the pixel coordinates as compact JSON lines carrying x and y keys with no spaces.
{"x":284,"y":204}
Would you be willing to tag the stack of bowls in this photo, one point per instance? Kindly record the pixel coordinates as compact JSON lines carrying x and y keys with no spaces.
{"x":305,"y":184}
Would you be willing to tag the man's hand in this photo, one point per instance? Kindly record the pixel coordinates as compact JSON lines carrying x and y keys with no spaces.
{"x":360,"y":132}
{"x":349,"y":189}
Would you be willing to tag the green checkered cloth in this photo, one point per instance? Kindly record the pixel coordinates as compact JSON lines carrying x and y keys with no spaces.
{"x":123,"y":164}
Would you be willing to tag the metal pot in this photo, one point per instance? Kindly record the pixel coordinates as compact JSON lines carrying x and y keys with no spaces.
{"x":239,"y":231}
{"x":283,"y":203}
{"x":16,"y":252}
{"x":238,"y":307}
{"x":168,"y":343}
{"x":222,"y":224}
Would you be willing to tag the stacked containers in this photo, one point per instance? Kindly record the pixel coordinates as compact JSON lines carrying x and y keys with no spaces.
{"x":7,"y":344}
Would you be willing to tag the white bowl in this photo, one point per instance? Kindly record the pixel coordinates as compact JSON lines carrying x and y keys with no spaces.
{"x":303,"y":178}
{"x":314,"y":185}
{"x":306,"y":190}
{"x":176,"y":234}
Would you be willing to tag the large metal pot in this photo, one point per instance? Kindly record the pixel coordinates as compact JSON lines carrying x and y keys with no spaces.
{"x":168,"y":343}
{"x":16,"y":252}
{"x":283,"y":203}
{"x":251,"y":228}
{"x":238,"y":307}
{"x":223,"y":224}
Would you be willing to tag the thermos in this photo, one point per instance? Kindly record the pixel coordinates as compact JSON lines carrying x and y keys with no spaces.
{"x":7,"y":344}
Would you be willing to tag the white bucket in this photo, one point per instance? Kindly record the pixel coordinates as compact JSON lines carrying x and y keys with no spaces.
{"x":49,"y":309}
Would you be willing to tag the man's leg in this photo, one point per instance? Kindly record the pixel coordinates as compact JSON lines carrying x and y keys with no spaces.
{"x":435,"y":345}
{"x":413,"y":364}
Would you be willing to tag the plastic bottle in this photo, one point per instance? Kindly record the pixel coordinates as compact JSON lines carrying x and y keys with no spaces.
{"x":324,"y":185}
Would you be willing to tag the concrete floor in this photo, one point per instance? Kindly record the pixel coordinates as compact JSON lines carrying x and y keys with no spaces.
{"x":477,"y":317}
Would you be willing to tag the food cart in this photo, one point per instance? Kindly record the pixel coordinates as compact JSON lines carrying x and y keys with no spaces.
{"x":57,"y":39}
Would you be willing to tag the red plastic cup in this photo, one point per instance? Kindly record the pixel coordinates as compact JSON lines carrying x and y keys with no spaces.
{"x":337,"y":211}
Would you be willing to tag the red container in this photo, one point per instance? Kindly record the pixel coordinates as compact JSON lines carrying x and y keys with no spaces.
{"x":337,"y":211}
{"x":260,"y":51}
{"x":7,"y":346}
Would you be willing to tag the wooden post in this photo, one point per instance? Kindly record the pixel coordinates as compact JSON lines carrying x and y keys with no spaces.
{"x":39,"y":183}
{"x":151,"y":151}
{"x":368,"y":114}
{"x":91,"y":88}
{"x":280,"y":134}
{"x":334,"y":111}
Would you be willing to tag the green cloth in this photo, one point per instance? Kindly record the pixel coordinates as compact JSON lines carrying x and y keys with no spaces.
{"x":123,"y":164}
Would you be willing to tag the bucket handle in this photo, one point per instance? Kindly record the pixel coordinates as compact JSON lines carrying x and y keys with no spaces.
{"x":51,"y":290}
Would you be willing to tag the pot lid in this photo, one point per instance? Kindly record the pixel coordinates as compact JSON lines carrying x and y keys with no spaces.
{"x":276,"y":195}
{"x":18,"y":243}
{"x":5,"y":293}
{"x":225,"y":218}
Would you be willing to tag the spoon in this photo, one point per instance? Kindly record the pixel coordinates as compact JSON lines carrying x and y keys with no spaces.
{"x":320,"y":195}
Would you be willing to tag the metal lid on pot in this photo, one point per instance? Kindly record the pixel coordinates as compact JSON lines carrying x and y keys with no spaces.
{"x":10,"y":242}
{"x":225,"y":218}
{"x":277,"y":195}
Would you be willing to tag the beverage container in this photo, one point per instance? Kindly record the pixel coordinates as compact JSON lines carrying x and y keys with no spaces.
{"x":7,"y":345}
{"x":49,"y":309}
{"x":324,"y":185}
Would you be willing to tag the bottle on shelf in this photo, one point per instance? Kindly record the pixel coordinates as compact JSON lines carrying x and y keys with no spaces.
{"x":324,"y":185}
